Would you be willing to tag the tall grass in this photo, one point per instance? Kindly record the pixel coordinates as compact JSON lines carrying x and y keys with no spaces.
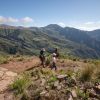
{"x":20,"y":84}
{"x":86,"y":73}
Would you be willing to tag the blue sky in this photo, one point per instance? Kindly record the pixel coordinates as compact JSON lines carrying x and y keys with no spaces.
{"x":82,"y":14}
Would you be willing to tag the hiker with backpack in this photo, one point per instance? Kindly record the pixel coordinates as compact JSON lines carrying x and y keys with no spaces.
{"x":42,"y":57}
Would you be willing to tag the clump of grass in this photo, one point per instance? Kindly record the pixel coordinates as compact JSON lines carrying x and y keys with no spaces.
{"x":20,"y":58}
{"x":20,"y":85}
{"x":86,"y":73}
{"x":3,"y":60}
{"x":52,"y":79}
{"x":47,"y":72}
{"x":70,"y":72}
{"x":82,"y":95}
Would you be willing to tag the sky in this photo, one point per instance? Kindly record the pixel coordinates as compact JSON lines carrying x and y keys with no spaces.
{"x":81,"y":14}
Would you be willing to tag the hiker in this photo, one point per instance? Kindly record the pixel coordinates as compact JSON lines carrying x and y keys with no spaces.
{"x":56,"y":52}
{"x":42,"y":57}
{"x":54,"y":61}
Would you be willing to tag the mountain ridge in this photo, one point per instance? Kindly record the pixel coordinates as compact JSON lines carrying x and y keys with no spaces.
{"x":30,"y":40}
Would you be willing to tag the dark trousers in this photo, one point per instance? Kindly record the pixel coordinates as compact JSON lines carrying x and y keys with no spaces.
{"x":54,"y":66}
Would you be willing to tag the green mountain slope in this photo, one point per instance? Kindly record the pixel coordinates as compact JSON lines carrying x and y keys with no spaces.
{"x":31,"y":40}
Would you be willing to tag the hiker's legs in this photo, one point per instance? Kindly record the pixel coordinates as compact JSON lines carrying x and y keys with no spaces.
{"x":43,"y":62}
{"x":54,"y":66}
{"x":42,"y":59}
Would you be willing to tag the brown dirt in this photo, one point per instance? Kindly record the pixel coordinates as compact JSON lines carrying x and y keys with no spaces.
{"x":20,"y":66}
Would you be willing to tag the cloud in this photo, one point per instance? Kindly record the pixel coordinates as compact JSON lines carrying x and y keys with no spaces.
{"x":10,"y":20}
{"x":61,"y":24}
{"x":90,"y":26}
{"x":27,"y":20}
{"x":7,"y":20}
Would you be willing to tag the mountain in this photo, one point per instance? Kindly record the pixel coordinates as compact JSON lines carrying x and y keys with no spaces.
{"x":95,"y":34}
{"x":30,"y":40}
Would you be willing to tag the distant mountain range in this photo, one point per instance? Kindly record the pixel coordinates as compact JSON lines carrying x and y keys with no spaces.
{"x":71,"y":41}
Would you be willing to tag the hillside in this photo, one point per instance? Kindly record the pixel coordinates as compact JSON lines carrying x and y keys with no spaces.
{"x":30,"y":40}
{"x":23,"y":78}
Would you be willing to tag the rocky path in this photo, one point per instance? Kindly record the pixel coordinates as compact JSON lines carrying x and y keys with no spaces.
{"x":6,"y":78}
{"x":9,"y":71}
{"x":20,"y":66}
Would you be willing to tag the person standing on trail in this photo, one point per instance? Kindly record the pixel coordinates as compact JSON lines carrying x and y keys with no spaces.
{"x":54,"y":61}
{"x":42,"y":57}
{"x":56,"y":52}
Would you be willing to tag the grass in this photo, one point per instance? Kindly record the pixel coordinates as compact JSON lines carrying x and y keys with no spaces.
{"x":86,"y":73}
{"x":20,"y":85}
{"x":82,"y":94}
{"x":3,"y":59}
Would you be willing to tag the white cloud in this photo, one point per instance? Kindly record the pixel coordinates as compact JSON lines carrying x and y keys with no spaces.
{"x":90,"y":26}
{"x":61,"y":24}
{"x":12,"y":21}
{"x":7,"y":20}
{"x":26,"y":20}
{"x":2,"y":19}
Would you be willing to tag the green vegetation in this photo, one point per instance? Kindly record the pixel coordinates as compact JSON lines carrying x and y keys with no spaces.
{"x":70,"y":41}
{"x":20,"y":84}
{"x":3,"y":59}
{"x":86,"y":73}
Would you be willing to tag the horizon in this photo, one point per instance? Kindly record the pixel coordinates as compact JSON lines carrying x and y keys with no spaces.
{"x":83,"y":15}
{"x":45,"y":26}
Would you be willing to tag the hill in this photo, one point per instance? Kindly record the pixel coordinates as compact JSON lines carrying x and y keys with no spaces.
{"x":30,"y":40}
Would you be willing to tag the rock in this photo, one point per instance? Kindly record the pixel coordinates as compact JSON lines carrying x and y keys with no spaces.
{"x":47,"y":95}
{"x":43,"y":92}
{"x":70,"y":97}
{"x":92,"y":93}
{"x":59,"y":87}
{"x":11,"y":74}
{"x":56,"y":83}
{"x":47,"y":87}
{"x":43,"y":81}
{"x":4,"y":85}
{"x":97,"y":88}
{"x":61,"y":77}
{"x":74,"y":95}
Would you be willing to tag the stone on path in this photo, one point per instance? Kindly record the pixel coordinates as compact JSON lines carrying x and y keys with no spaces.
{"x":6,"y":78}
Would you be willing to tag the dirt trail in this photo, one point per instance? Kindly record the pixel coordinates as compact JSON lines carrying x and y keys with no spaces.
{"x":20,"y":66}
{"x":9,"y":71}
